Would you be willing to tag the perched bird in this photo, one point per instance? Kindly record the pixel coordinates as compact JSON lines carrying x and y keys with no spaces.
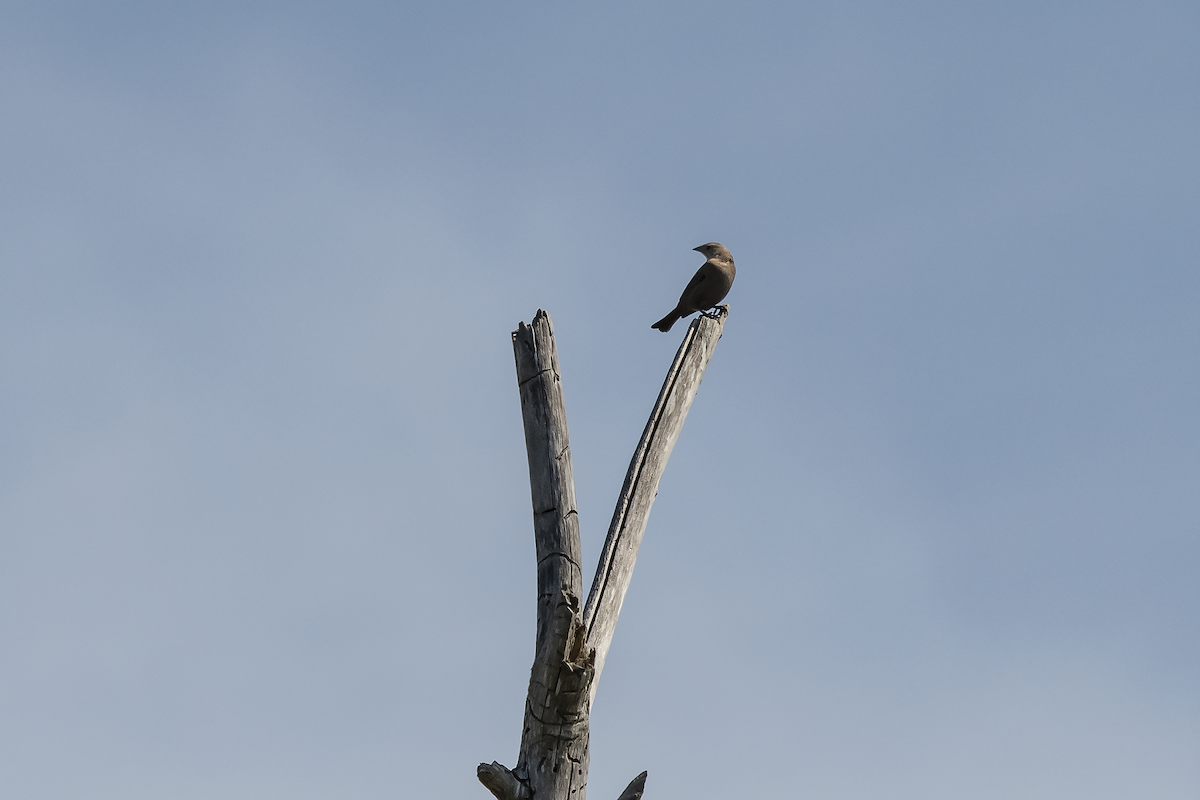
{"x":707,"y":287}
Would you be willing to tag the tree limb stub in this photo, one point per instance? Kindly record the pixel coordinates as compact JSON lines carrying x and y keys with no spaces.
{"x":615,"y":569}
{"x":635,"y":788}
{"x":501,"y":782}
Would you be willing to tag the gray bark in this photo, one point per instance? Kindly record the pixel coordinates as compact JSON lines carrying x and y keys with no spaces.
{"x":615,"y":569}
{"x":635,"y":788}
{"x":571,"y":643}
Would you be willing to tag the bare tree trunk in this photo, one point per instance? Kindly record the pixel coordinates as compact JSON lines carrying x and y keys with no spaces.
{"x":571,"y":643}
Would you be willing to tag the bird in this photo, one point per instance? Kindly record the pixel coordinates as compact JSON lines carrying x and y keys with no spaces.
{"x":707,"y":287}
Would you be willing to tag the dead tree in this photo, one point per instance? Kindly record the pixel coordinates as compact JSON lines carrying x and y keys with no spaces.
{"x":573,"y":637}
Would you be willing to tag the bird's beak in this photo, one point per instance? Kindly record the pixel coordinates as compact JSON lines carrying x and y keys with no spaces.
{"x":699,"y":249}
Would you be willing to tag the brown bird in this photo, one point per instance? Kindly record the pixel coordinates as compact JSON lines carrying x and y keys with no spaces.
{"x":707,"y":287}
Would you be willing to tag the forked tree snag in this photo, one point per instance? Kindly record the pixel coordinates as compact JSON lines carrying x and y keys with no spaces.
{"x":572,"y":642}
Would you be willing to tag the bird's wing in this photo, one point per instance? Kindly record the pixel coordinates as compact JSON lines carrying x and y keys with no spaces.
{"x":694,"y":283}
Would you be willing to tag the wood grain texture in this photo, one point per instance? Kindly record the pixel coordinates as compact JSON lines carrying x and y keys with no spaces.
{"x":501,"y":782}
{"x":572,"y":641}
{"x":553,"y":761}
{"x":635,"y":788}
{"x":615,"y":569}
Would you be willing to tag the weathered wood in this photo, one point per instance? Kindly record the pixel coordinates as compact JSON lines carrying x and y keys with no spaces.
{"x":501,"y":782}
{"x":635,"y":788}
{"x":571,"y":642}
{"x":553,"y":761}
{"x":615,"y":569}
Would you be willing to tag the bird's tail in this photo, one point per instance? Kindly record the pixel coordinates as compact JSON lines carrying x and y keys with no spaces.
{"x":666,"y":322}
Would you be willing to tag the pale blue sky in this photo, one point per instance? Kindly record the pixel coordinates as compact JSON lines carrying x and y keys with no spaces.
{"x":932,"y":530}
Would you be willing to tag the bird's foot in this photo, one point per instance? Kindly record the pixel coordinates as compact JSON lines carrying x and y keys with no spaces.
{"x":716,"y":312}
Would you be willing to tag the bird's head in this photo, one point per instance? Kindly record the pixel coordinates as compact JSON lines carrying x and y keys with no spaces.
{"x":714,"y":250}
